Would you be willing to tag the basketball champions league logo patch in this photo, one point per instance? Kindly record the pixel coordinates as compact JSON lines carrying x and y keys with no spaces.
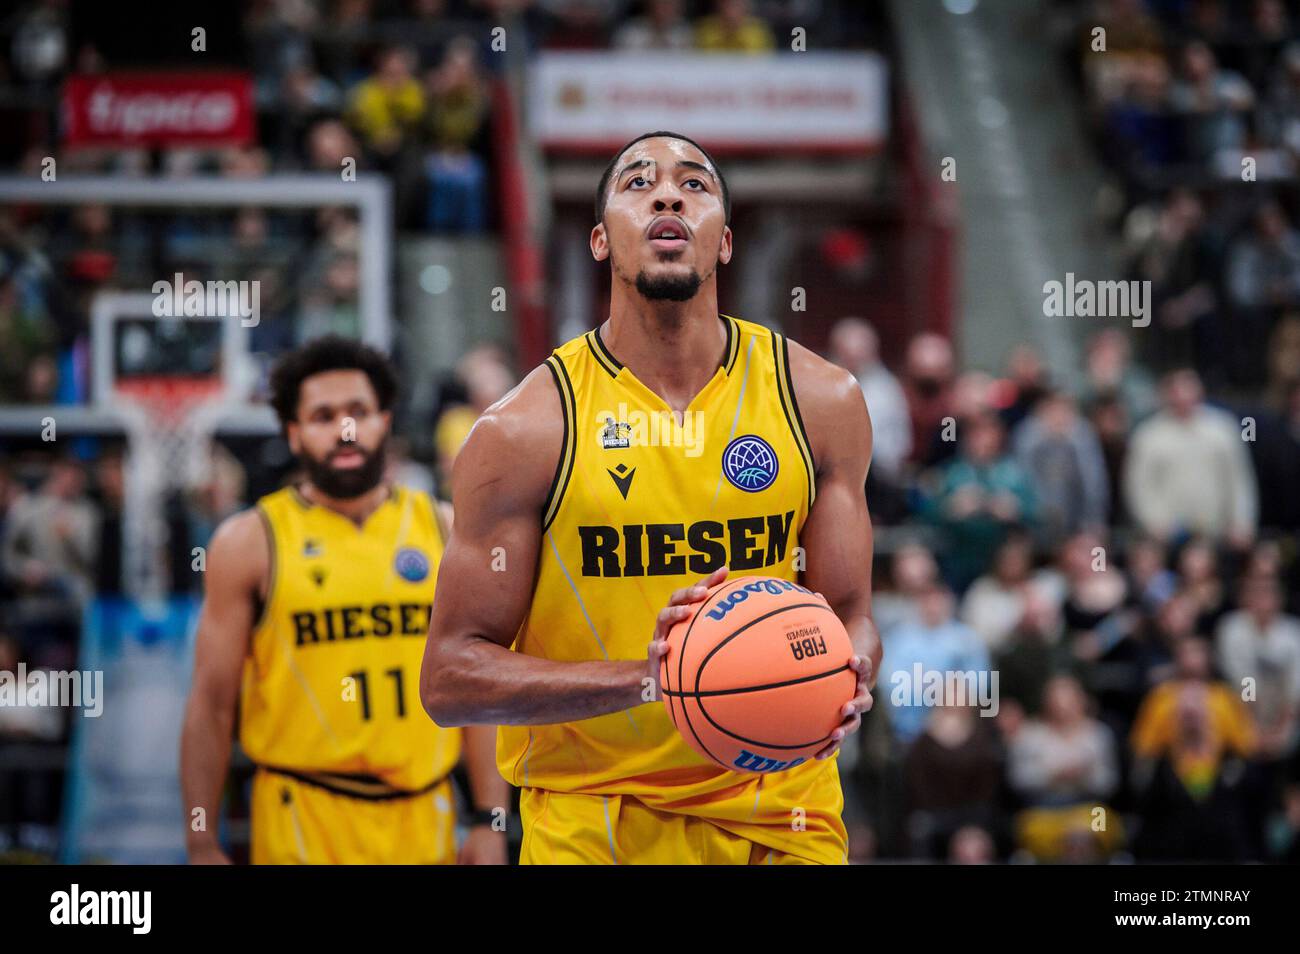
{"x":750,"y":464}
{"x":411,"y":564}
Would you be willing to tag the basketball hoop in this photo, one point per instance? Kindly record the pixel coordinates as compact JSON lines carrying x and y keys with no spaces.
{"x":170,"y":421}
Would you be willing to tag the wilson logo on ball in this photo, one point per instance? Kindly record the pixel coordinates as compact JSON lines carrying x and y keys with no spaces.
{"x":750,"y":463}
{"x":736,"y":597}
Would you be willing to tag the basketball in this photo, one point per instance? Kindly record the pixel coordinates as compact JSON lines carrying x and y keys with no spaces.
{"x":756,"y":679}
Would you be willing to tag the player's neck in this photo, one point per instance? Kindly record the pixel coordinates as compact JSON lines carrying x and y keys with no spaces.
{"x":356,"y":509}
{"x":673,"y":348}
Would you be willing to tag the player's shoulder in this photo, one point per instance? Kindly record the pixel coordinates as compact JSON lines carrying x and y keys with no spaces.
{"x":241,"y":544}
{"x":518,"y":439}
{"x":820,"y":385}
{"x":831,"y":405}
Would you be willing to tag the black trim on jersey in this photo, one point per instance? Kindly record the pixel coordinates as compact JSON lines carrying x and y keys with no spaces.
{"x":790,"y":406}
{"x":604,"y":357}
{"x":568,"y":445}
{"x":733,"y":342}
{"x":273,"y":569}
{"x":368,"y":788}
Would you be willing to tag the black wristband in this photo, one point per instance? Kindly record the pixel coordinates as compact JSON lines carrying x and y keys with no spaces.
{"x":484,"y":816}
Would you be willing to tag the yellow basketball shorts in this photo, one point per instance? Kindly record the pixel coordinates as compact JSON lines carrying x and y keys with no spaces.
{"x":565,"y":828}
{"x":296,"y":822}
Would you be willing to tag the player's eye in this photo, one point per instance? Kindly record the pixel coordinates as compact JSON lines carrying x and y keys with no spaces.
{"x":696,"y":183}
{"x":637,"y":181}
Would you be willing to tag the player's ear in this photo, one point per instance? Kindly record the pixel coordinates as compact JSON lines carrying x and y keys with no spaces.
{"x":724,"y":248}
{"x":599,"y":243}
{"x":387,"y":417}
{"x":291,"y":435}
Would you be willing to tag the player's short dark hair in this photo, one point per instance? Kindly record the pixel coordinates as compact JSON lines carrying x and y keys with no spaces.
{"x":664,"y":134}
{"x":329,"y":353}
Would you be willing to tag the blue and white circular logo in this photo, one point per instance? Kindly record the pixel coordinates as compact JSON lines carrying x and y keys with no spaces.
{"x":750,"y":463}
{"x":411,"y":564}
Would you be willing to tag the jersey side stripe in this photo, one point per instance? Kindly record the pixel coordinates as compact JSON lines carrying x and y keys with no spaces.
{"x":785,"y":386}
{"x":563,"y":469}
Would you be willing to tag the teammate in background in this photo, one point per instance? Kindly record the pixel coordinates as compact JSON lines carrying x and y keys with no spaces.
{"x":315,"y":604}
{"x":580,"y":533}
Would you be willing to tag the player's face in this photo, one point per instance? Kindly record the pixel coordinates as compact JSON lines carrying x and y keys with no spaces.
{"x":340,"y":433}
{"x":664,"y":229}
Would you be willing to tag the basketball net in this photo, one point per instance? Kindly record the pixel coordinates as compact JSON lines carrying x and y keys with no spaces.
{"x":170,"y":422}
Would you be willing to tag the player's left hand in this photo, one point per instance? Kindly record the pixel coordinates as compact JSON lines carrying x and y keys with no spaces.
{"x":484,"y":845}
{"x":853,"y":709}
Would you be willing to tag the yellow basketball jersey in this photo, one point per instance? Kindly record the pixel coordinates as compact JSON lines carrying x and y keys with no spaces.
{"x":644,"y":503}
{"x":331,"y":684}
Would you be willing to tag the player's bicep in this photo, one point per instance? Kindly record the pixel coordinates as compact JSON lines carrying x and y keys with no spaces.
{"x":236,"y":557}
{"x":499,"y":486}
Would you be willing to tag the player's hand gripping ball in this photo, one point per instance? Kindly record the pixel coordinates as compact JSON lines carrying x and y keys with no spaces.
{"x":756,"y":680}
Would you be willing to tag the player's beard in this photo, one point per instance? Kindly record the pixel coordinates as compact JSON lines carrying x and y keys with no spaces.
{"x":347,"y":484}
{"x":678,"y":287}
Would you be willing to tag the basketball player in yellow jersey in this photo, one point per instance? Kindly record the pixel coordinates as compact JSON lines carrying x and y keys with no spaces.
{"x":316,"y":602}
{"x":667,"y":445}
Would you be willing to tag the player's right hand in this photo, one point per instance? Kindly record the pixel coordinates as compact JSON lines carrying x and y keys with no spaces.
{"x":681,"y":606}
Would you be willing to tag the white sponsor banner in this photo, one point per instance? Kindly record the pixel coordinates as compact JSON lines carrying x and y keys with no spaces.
{"x":727,"y":101}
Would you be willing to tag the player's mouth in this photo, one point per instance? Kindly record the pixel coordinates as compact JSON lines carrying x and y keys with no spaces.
{"x":347,"y":459}
{"x":668,"y":234}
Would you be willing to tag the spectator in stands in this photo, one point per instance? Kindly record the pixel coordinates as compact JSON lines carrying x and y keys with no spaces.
{"x":1063,"y":766}
{"x":1213,"y":101}
{"x":456,"y":174}
{"x":1264,"y":265}
{"x":855,"y":346}
{"x":1131,"y":34}
{"x":928,"y":375}
{"x":662,"y":27}
{"x":912,"y":571}
{"x":1170,"y":246}
{"x":25,"y":328}
{"x":1150,"y":581}
{"x":1141,"y":136}
{"x":982,"y":494}
{"x":1034,"y":652}
{"x":1192,"y":782}
{"x":972,"y":845}
{"x":952,"y":775}
{"x":1283,"y":350}
{"x":1277,"y":463}
{"x":49,"y":548}
{"x":1280,"y":117}
{"x":1110,"y":422}
{"x":995,"y":603}
{"x":386,"y":107}
{"x":1259,"y":652}
{"x":939,"y":645}
{"x":1111,"y":372}
{"x":484,"y":377}
{"x":733,"y":29}
{"x":1025,"y":384}
{"x":1060,"y":452}
{"x":1201,"y":580}
{"x":1172,"y":454}
{"x":1156,"y":730}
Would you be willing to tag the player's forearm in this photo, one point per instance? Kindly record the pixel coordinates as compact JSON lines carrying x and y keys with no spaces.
{"x":470,"y":680}
{"x":205,"y":757}
{"x":488,"y":790}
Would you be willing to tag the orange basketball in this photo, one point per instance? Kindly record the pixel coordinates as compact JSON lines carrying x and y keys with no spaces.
{"x":755,"y":680}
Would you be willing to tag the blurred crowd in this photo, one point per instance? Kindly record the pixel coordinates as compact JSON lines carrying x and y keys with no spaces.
{"x":1195,"y":106}
{"x":1124,"y":559}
